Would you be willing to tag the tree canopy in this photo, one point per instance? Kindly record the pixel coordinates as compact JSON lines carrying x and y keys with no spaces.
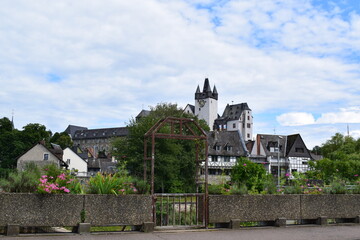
{"x":174,"y":159}
{"x":14,"y":143}
{"x":342,"y":159}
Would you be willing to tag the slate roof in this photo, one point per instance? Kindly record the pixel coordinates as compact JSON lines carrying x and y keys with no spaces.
{"x":101,"y":133}
{"x":71,"y":129}
{"x":287,"y":145}
{"x":271,"y":141}
{"x":192,"y":108}
{"x":143,"y":113}
{"x":224,"y":139}
{"x":233,"y":112}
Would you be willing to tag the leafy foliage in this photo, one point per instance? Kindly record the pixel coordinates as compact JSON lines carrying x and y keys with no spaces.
{"x":174,"y":159}
{"x":250,"y":174}
{"x":22,"y":182}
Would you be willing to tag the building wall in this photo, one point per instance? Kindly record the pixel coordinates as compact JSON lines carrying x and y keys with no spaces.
{"x":98,"y":144}
{"x":36,"y":155}
{"x":208,"y":112}
{"x":244,"y":124}
{"x":74,"y":161}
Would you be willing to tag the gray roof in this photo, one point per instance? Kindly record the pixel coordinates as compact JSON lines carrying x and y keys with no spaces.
{"x":233,"y":112}
{"x":143,"y":113}
{"x":101,"y":133}
{"x":287,"y":145}
{"x":225,"y":139}
{"x":71,"y":129}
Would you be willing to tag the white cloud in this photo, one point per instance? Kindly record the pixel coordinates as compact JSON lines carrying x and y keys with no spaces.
{"x":295,"y":119}
{"x":345,"y":115}
{"x":115,"y":57}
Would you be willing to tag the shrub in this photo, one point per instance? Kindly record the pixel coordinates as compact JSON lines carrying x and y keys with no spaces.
{"x":215,"y":189}
{"x":22,"y":182}
{"x":55,"y":180}
{"x":239,"y":189}
{"x":249,"y":173}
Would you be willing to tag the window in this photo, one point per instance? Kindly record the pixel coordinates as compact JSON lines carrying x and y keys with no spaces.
{"x":248,"y":125}
{"x":299,"y":150}
{"x":46,"y":156}
{"x":226,"y":158}
{"x":68,"y":161}
{"x":248,"y":117}
{"x":234,"y":125}
{"x":248,"y":135}
{"x":228,"y":148}
{"x":243,"y":125}
{"x":214,"y":158}
{"x":218,"y":147}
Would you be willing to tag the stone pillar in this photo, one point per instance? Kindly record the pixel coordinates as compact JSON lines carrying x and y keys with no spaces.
{"x":84,"y":228}
{"x":148,"y":227}
{"x":12,"y":230}
{"x":323,"y":221}
{"x":235,"y":223}
{"x":280,"y":222}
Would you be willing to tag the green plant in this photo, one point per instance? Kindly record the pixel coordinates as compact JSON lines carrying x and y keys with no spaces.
{"x":336,"y":187}
{"x":215,"y":189}
{"x":25,"y":181}
{"x":82,"y":215}
{"x":239,"y":189}
{"x":142,"y":186}
{"x":249,"y":173}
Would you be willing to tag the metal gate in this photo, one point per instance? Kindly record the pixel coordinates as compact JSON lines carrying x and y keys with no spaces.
{"x":179,"y":209}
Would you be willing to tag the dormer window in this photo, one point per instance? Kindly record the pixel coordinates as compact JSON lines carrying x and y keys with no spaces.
{"x":217,"y":147}
{"x":228,"y":148}
{"x":46,"y":156}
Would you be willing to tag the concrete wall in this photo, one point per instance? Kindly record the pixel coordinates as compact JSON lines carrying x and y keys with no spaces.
{"x":223,"y":208}
{"x":65,"y":209}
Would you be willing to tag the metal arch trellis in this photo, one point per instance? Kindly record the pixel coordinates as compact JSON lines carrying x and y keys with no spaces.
{"x":182,"y":129}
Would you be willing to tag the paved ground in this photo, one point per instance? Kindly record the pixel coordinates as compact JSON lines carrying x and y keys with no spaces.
{"x":345,"y":232}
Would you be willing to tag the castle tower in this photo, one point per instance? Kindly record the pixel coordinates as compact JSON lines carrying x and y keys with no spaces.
{"x":206,"y":106}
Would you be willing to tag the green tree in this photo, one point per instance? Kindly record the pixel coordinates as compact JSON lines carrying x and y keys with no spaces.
{"x":174,"y":159}
{"x":63,"y":139}
{"x":246,"y":172}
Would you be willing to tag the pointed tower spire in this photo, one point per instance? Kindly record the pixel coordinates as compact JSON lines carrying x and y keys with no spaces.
{"x":215,"y":93}
{"x":198,"y":89}
{"x":207,"y":86}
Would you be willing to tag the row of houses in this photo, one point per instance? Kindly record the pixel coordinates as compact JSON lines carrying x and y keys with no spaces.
{"x":231,"y":137}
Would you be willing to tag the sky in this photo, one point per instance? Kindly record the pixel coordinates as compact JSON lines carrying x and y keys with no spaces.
{"x":97,"y":63}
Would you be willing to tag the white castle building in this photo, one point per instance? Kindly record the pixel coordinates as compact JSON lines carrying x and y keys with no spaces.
{"x":236,"y":117}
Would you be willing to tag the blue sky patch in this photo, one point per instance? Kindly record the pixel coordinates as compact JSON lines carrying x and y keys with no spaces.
{"x":52,"y":77}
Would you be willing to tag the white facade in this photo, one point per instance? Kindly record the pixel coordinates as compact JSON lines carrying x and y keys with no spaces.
{"x":244,"y":124}
{"x":74,"y":161}
{"x":207,"y":109}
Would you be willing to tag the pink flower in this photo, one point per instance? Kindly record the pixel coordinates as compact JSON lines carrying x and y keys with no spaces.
{"x":43,"y":176}
{"x":66,"y":190}
{"x":62,"y":176}
{"x":287,"y":175}
{"x":244,"y":164}
{"x":356,"y":175}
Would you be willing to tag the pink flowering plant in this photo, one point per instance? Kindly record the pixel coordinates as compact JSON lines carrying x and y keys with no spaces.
{"x":55,"y":180}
